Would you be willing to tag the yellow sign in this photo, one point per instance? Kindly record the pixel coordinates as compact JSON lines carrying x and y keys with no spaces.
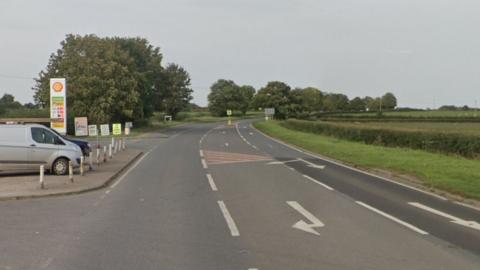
{"x":229,"y":112}
{"x":117,"y":129}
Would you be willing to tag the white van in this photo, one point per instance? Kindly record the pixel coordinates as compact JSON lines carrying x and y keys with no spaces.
{"x":26,"y":147}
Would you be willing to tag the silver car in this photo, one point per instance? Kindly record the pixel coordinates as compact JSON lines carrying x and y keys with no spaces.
{"x":26,"y":147}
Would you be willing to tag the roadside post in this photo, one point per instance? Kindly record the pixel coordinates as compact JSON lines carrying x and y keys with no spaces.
{"x":70,"y":171}
{"x":123,"y":144}
{"x":90,"y":161}
{"x":229,"y":114}
{"x":42,"y":172}
{"x":98,"y":155}
{"x":104,"y":153}
{"x":110,"y":151}
{"x":117,"y":131}
{"x":115,"y":148}
{"x":81,"y":165}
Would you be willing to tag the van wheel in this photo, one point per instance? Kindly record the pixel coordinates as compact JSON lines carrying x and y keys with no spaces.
{"x":60,"y":166}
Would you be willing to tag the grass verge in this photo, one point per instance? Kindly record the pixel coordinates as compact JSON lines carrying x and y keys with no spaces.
{"x":452,"y":174}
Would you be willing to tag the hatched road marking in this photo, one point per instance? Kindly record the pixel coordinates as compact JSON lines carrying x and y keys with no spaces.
{"x":216,"y":158}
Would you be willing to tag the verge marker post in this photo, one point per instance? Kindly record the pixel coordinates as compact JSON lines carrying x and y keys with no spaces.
{"x":104,"y":153}
{"x":123,"y":144}
{"x":42,"y":172}
{"x":90,"y":161}
{"x":110,"y":151}
{"x":98,"y":156}
{"x":81,"y":165}
{"x":115,"y":148}
{"x":70,"y":171}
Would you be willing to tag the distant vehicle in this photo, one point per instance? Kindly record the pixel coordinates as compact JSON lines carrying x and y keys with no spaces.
{"x":26,"y":147}
{"x":84,"y":145}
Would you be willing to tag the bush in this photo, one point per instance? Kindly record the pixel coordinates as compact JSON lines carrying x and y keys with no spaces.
{"x":458,"y":144}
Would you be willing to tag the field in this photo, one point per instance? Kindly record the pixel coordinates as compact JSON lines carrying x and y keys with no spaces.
{"x":453,"y":174}
{"x":415,"y":114}
{"x":444,"y":127}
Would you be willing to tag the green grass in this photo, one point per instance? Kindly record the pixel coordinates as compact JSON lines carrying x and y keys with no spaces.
{"x":443,"y":127}
{"x":456,"y":175}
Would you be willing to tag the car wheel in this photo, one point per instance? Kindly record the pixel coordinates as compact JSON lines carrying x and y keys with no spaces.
{"x":60,"y":166}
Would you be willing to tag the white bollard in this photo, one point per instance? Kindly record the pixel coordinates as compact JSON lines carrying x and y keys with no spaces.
{"x":115,"y":148}
{"x":70,"y":171}
{"x":110,"y":151}
{"x":90,"y":160}
{"x":113,"y":140}
{"x":81,"y":165}
{"x":42,"y":172}
{"x":105,"y":153}
{"x":123,"y":144}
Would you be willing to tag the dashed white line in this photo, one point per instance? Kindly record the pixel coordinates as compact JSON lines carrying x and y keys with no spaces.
{"x":226,"y":144}
{"x":211,"y":182}
{"x":228,"y":218}
{"x":201,"y":153}
{"x":408,"y":225}
{"x":467,"y":223}
{"x":204,"y":164}
{"x":318,"y":182}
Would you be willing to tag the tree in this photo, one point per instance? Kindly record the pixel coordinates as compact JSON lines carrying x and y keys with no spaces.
{"x":313,"y":99}
{"x":357,"y":105}
{"x":8,"y":102}
{"x":274,"y":95}
{"x":335,"y":102}
{"x":247,"y":92}
{"x":373,"y":104}
{"x":389,"y":101}
{"x":177,"y":91}
{"x":227,"y":95}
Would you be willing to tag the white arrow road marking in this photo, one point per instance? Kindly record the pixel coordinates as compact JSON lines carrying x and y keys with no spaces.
{"x":228,"y":218}
{"x":312,"y":165}
{"x":401,"y":222}
{"x":281,"y":162}
{"x":470,"y":224}
{"x":302,"y":225}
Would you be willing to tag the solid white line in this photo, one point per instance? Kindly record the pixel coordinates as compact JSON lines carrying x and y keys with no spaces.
{"x":318,"y":182}
{"x":252,"y":268}
{"x":204,"y":164}
{"x":431,"y":210}
{"x":228,"y":218}
{"x":410,"y":226}
{"x":467,"y":205}
{"x":131,"y":168}
{"x":350,"y":168}
{"x":211,"y":182}
{"x":201,"y":153}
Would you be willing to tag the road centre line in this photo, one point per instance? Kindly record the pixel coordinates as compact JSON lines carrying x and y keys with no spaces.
{"x":201,"y":153}
{"x":228,"y":218}
{"x":204,"y":164}
{"x":211,"y":182}
{"x":350,"y":168}
{"x":392,"y":218}
{"x":318,"y":182}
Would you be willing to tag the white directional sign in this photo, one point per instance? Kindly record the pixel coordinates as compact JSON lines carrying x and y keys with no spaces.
{"x":302,"y":225}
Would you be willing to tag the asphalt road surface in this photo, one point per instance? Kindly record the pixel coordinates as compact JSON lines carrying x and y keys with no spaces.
{"x":211,"y":196}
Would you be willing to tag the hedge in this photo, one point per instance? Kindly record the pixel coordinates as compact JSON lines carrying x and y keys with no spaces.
{"x":448,"y":143}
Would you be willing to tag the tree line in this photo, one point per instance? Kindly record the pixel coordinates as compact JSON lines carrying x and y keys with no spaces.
{"x":288,"y":102}
{"x":114,"y":79}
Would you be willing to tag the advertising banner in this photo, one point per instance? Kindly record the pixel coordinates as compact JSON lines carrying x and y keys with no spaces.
{"x":105,"y":130}
{"x":92,"y":130}
{"x":58,"y":105}
{"x":81,"y":126}
{"x":117,"y":129}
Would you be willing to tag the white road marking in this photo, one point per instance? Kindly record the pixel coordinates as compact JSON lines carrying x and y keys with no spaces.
{"x":228,"y":218}
{"x":281,"y":162}
{"x":318,"y":182}
{"x":467,"y":205}
{"x":252,"y":268}
{"x":131,"y":168}
{"x":470,"y":224}
{"x":312,"y":165}
{"x":349,"y":167}
{"x":302,"y":225}
{"x":410,"y":226}
{"x":226,"y":144}
{"x":211,"y":182}
{"x":201,"y":153}
{"x":254,"y":147}
{"x":204,"y":164}
{"x":251,"y":133}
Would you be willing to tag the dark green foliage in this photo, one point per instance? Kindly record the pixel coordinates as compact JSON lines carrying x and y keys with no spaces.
{"x":448,"y":143}
{"x":274,"y":95}
{"x":227,"y":95}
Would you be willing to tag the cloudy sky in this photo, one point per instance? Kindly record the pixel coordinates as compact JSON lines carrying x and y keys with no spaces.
{"x":425,"y":51}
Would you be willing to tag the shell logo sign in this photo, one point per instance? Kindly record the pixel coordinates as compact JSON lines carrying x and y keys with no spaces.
{"x":57,"y":87}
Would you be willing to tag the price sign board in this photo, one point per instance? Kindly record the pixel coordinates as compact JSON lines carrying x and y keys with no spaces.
{"x":58,"y":105}
{"x":105,"y":130}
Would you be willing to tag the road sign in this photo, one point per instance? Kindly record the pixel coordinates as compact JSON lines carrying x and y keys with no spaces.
{"x":92,"y":130}
{"x":81,"y":126}
{"x":269,"y":111}
{"x":105,"y":130}
{"x":117,"y":129}
{"x":128,"y":124}
{"x":229,"y":112}
{"x":58,"y":105}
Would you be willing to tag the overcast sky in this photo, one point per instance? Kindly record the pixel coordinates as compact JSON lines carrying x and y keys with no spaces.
{"x":427,"y":52}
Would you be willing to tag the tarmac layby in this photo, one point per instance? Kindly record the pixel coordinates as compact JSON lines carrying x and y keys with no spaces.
{"x":212,"y":196}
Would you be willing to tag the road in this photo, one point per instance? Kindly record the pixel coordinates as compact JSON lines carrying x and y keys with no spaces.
{"x":211,"y":196}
